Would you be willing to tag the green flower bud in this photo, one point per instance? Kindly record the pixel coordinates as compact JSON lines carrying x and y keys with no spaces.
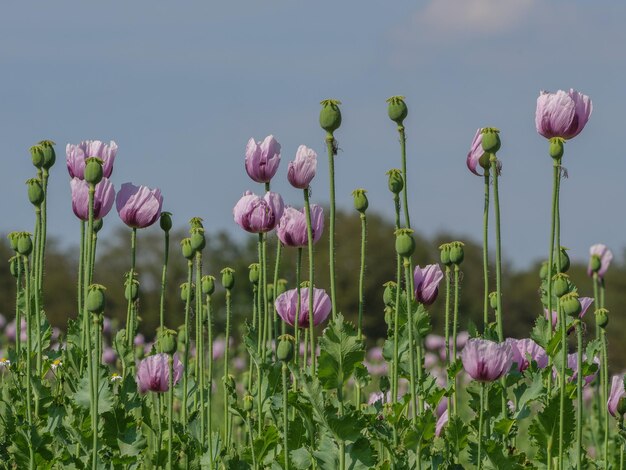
{"x":165,"y":221}
{"x":384,"y":384}
{"x":564,"y":260}
{"x":186,"y":292}
{"x":596,"y":263}
{"x":284,"y":351}
{"x":248,"y":403}
{"x":389,"y":294}
{"x":198,"y":242}
{"x":396,"y":109}
{"x":405,"y":243}
{"x":13,"y":237}
{"x":14,"y":266}
{"x":543,"y":271}
{"x":493,"y":300}
{"x":556,"y":147}
{"x":187,"y":248}
{"x":97,"y":225}
{"x":254,"y":273}
{"x":24,"y":244}
{"x":167,"y":340}
{"x":49,"y":155}
{"x":208,"y":285}
{"x":395,"y":181}
{"x":570,"y":304}
{"x":182,"y":337}
{"x":35,"y":191}
{"x":602,"y":317}
{"x":281,"y":287}
{"x":93,"y":170}
{"x":561,"y":284}
{"x":36,"y":155}
{"x":444,"y":254}
{"x":330,"y":115}
{"x":457,"y":253}
{"x":96,"y":300}
{"x":360,"y":200}
{"x":491,"y":139}
{"x":228,"y":278}
{"x":195,"y":222}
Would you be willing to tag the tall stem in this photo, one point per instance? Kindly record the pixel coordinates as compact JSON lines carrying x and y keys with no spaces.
{"x":296,"y":325}
{"x":37,"y":293}
{"x":81,"y":273}
{"x":209,"y":315}
{"x":18,"y":312}
{"x":309,"y":232}
{"x":448,"y":275}
{"x":409,"y":321}
{"x":29,"y":346}
{"x":579,"y":395}
{"x":183,"y":410}
{"x":455,"y":324}
{"x":605,"y":388}
{"x":480,"y":425}
{"x":226,"y":371}
{"x":166,"y":251}
{"x":396,"y":342}
{"x":264,"y":311}
{"x":279,"y":247}
{"x":200,"y":344}
{"x":361,"y":292}
{"x":285,"y":416}
{"x":486,"y":252}
{"x":407,"y":218}
{"x":130,"y":326}
{"x":330,"y":140}
{"x":170,"y":413}
{"x":496,"y":202}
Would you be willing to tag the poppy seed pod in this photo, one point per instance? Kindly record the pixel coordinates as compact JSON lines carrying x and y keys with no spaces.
{"x":570,"y":304}
{"x":285,"y":349}
{"x":389,"y":294}
{"x":330,"y":115}
{"x":35,"y":191}
{"x":561,"y":284}
{"x":602,"y":317}
{"x":13,"y":237}
{"x":93,"y":170}
{"x":556,"y":148}
{"x":602,"y":254}
{"x":254,"y":273}
{"x":595,"y":263}
{"x":491,"y":139}
{"x":444,"y":254}
{"x":131,"y":290}
{"x":49,"y":155}
{"x":186,"y":292}
{"x":360,"y":200}
{"x":198,"y":242}
{"x":395,"y":181}
{"x":493,"y":300}
{"x":167,"y":340}
{"x":24,"y":244}
{"x":36,"y":155}
{"x":165,"y":221}
{"x":97,"y":225}
{"x":248,"y":403}
{"x":405,"y":243}
{"x":228,"y":278}
{"x":187,"y":248}
{"x":96,"y":300}
{"x":564,"y":260}
{"x":281,"y":286}
{"x":457,"y":253}
{"x":397,"y":109}
{"x":543,"y":271}
{"x":208,"y":285}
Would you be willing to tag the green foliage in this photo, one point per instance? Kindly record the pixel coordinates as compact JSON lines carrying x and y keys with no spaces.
{"x":544,"y":429}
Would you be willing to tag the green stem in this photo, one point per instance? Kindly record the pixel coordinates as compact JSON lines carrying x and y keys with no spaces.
{"x":183,"y":411}
{"x":170,"y":413}
{"x":44,"y":229}
{"x":330,"y":139}
{"x":226,"y":359}
{"x":28,"y":343}
{"x":296,"y":324}
{"x":361,"y":291}
{"x":579,"y":395}
{"x":157,"y":412}
{"x":395,"y":370}
{"x":264,"y":311}
{"x":18,"y":312}
{"x":251,"y":437}
{"x":480,"y":425}
{"x":209,"y":315}
{"x":285,"y":417}
{"x":279,"y":247}
{"x":200,"y":345}
{"x":130,"y":326}
{"x":309,"y":232}
{"x":166,"y":251}
{"x":409,"y":320}
{"x":81,"y":272}
{"x":496,"y":202}
{"x":605,"y":389}
{"x":486,"y":252}
{"x":455,"y":324}
{"x":407,"y":219}
{"x":448,"y":275}
{"x":37,"y":295}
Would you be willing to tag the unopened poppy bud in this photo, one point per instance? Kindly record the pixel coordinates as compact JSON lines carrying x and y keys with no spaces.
{"x":195,"y":222}
{"x":186,"y":292}
{"x":457,"y":253}
{"x":165,"y":221}
{"x":284,"y":352}
{"x":493,"y":300}
{"x":330,"y":115}
{"x":564,"y":260}
{"x":397,"y":109}
{"x":97,"y":225}
{"x":13,"y":237}
{"x":395,"y":181}
{"x":208,"y":285}
{"x":167,"y":340}
{"x":621,"y":406}
{"x":281,"y":287}
{"x":36,"y":155}
{"x":570,"y":304}
{"x":389,"y":294}
{"x":360,"y":200}
{"x":187,"y":249}
{"x":24,"y":244}
{"x":254,"y":273}
{"x":384,"y":384}
{"x":556,"y":147}
{"x":405,"y":243}
{"x":93,"y":170}
{"x":561,"y":284}
{"x":602,"y":317}
{"x":444,"y":254}
{"x":14,"y":266}
{"x":543,"y":271}
{"x":49,"y":155}
{"x":198,"y":242}
{"x":228,"y":278}
{"x":35,"y":191}
{"x":248,"y":403}
{"x":96,"y":300}
{"x":595,"y":264}
{"x":491,"y":139}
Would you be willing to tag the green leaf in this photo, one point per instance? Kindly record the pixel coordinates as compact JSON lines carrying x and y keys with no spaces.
{"x":497,"y":456}
{"x":300,"y":458}
{"x":82,"y":396}
{"x":544,"y":429}
{"x":360,"y":455}
{"x":327,"y":455}
{"x":267,"y":441}
{"x":422,"y":433}
{"x":456,"y":435}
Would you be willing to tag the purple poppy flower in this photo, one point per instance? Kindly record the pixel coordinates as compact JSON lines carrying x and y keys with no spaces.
{"x":257,"y":215}
{"x":562,"y":114}
{"x":138,"y":206}
{"x":441,"y":423}
{"x":153,"y":373}
{"x":522,"y":349}
{"x":617,"y":393}
{"x":262,"y":159}
{"x":287,"y":302}
{"x":427,"y":283}
{"x":572,"y":364}
{"x":435,"y":342}
{"x":375,"y":354}
{"x":102,"y":200}
{"x":76,"y":154}
{"x":292,"y":230}
{"x":109,"y":356}
{"x":486,"y":361}
{"x":604,"y":254}
{"x":475,"y":154}
{"x":302,"y":170}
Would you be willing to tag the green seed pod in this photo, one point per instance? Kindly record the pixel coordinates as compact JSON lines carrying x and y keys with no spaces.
{"x":602,"y":317}
{"x":564,"y":260}
{"x":131,"y":288}
{"x":621,"y":406}
{"x":208,"y":285}
{"x":281,"y":287}
{"x":405,"y":243}
{"x":389,"y":294}
{"x":491,"y":139}
{"x":248,"y":403}
{"x":195,"y":222}
{"x":35,"y":191}
{"x":97,"y":225}
{"x":457,"y":253}
{"x":187,"y":248}
{"x":570,"y":304}
{"x":595,"y":263}
{"x":543,"y":271}
{"x":330,"y":115}
{"x":198,"y":242}
{"x":49,"y":155}
{"x":493,"y":300}
{"x":444,"y":254}
{"x":396,"y":109}
{"x":93,"y":170}
{"x":254,"y":273}
{"x":395,"y":181}
{"x":270,"y":292}
{"x":36,"y":155}
{"x":284,"y":352}
{"x":384,"y":384}
{"x":561,"y":284}
{"x":556,"y":147}
{"x":182,"y":337}
{"x":24,"y":244}
{"x":96,"y":300}
{"x":165,"y":221}
{"x":360,"y":200}
{"x":167,"y":340}
{"x":228,"y":278}
{"x":13,"y":238}
{"x":185,"y":292}
{"x":14,"y":266}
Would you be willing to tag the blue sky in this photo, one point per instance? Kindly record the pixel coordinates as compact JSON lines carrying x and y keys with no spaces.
{"x":182,"y":86}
